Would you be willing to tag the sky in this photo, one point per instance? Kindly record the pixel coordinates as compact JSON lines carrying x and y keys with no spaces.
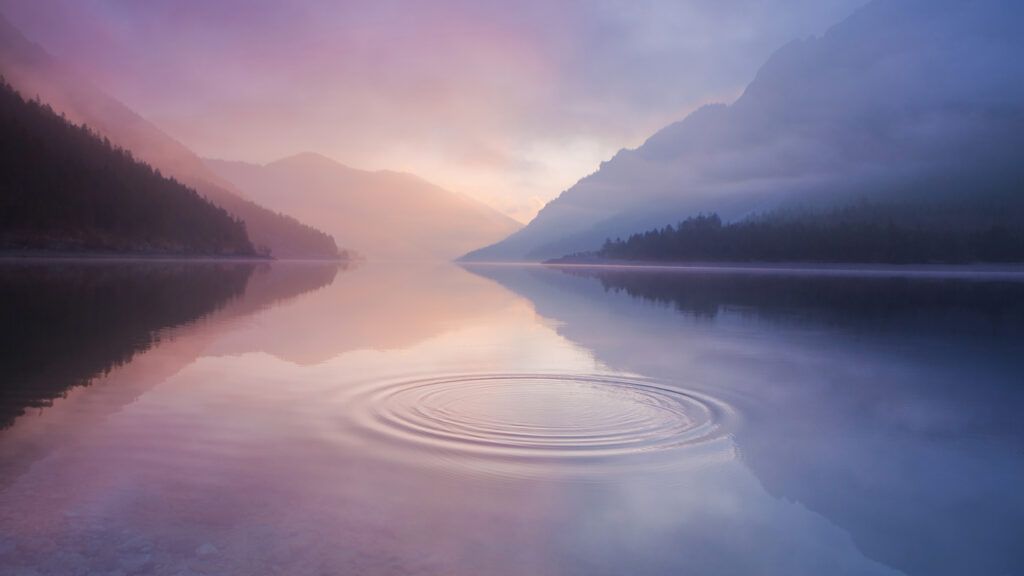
{"x":508,"y":102}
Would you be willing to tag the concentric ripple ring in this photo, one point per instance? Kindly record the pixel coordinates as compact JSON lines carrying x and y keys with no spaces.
{"x":542,"y":419}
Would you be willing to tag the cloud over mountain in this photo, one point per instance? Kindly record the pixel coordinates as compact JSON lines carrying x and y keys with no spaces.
{"x":904,"y":99}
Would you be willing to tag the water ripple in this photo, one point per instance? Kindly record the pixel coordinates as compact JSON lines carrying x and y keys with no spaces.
{"x":552,"y":425}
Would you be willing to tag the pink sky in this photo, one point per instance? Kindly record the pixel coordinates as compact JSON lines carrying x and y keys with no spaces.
{"x":511,"y":102}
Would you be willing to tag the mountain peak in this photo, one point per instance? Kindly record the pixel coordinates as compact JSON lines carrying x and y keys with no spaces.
{"x":308,"y":160}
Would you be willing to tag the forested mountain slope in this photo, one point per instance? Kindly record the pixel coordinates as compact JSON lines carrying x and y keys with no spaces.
{"x":64,"y":188}
{"x":34,"y":73}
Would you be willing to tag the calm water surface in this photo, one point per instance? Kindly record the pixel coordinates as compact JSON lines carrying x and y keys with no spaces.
{"x":299,"y":419}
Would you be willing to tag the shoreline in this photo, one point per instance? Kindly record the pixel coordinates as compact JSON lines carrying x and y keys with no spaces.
{"x":98,"y":257}
{"x":1013,"y":271}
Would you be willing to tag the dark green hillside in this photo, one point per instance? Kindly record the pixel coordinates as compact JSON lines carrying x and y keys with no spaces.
{"x":62,"y":188}
{"x":866,"y":233}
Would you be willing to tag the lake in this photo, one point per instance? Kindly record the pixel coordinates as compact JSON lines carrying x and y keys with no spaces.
{"x":299,"y":418}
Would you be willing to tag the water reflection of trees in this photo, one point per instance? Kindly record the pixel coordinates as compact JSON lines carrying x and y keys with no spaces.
{"x":61,"y":326}
{"x":888,"y":405}
{"x":842,"y":300}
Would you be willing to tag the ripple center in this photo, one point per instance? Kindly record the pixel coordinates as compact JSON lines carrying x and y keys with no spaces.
{"x":551,"y":419}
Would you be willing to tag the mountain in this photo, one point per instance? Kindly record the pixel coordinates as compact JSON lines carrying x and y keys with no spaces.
{"x":63,"y":188}
{"x":384,"y":214}
{"x":904,"y":101}
{"x":34,"y":73}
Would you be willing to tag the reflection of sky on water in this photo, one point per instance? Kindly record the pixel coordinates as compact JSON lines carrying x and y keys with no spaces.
{"x":856,"y":450}
{"x":892,"y":417}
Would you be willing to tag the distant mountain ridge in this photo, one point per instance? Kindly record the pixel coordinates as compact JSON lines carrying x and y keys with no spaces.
{"x":383,"y":214}
{"x":32,"y":71}
{"x":908,"y":99}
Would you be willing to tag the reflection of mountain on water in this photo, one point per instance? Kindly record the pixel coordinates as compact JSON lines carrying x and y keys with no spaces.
{"x":837,"y":300}
{"x":64,"y":325}
{"x":889,"y":406}
{"x":61,"y":326}
{"x":164,"y":337}
{"x":376,"y":307}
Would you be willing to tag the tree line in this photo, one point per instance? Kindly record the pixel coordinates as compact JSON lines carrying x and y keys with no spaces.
{"x":828,"y":237}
